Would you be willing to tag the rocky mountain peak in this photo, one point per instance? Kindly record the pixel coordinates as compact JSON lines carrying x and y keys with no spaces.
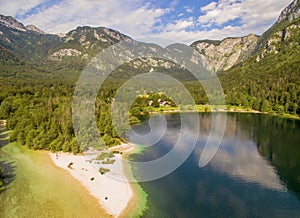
{"x":103,"y":34}
{"x":282,"y":33}
{"x":34,"y":29}
{"x":10,"y":22}
{"x":291,"y":12}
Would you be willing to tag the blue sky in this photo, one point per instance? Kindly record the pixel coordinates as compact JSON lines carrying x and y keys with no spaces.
{"x":179,"y":20}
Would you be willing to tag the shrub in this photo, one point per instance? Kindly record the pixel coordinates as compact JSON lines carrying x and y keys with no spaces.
{"x":103,"y":170}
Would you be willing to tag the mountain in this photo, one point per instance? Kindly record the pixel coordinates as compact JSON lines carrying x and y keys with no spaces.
{"x":222,"y":55}
{"x":35,"y":29}
{"x":71,"y":52}
{"x":33,"y":44}
{"x":84,"y":43}
{"x":269,"y":80}
{"x":10,"y":22}
{"x":26,"y":43}
{"x":291,"y":12}
{"x":284,"y":33}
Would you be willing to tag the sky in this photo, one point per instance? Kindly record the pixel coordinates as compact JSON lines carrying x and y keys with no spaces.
{"x":179,"y":20}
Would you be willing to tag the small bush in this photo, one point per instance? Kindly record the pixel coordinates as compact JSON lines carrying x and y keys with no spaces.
{"x":104,"y":155}
{"x":103,"y":170}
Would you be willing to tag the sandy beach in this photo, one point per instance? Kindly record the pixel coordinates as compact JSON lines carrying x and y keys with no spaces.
{"x":112,"y":188}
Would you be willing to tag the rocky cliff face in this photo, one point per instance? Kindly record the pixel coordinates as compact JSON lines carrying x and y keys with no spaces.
{"x":10,"y":22}
{"x":222,"y":55}
{"x":291,"y":12}
{"x":287,"y":36}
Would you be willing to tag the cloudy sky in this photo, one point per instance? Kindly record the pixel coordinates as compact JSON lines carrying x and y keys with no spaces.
{"x":180,"y":20}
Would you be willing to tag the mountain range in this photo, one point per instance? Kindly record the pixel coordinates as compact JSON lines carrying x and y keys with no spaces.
{"x":82,"y":43}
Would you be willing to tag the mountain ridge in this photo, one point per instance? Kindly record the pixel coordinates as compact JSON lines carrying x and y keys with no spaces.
{"x":84,"y":42}
{"x":81,"y":44}
{"x":291,"y":12}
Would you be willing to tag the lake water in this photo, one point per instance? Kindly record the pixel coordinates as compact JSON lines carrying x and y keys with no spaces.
{"x":255,"y":173}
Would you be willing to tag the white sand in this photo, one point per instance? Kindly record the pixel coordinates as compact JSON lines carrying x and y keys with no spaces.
{"x":113,"y":185}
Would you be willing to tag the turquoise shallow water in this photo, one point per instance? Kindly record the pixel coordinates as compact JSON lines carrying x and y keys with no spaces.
{"x":36,"y":188}
{"x":255,"y":173}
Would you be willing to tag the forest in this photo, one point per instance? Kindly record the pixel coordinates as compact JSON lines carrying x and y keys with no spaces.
{"x":38,"y":105}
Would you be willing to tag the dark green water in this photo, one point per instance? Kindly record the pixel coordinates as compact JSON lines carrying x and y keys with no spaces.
{"x":255,"y":173}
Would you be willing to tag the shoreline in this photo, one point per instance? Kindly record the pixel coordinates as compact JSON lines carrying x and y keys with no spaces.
{"x":231,"y":110}
{"x":138,"y":202}
{"x":41,"y":189}
{"x":115,"y":194}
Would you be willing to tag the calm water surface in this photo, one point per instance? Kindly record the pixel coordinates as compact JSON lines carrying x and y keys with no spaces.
{"x":255,"y":173}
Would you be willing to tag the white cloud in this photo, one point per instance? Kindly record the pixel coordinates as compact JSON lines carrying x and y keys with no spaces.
{"x":248,"y":11}
{"x":188,"y":9}
{"x":220,"y":13}
{"x":234,"y":160}
{"x":209,"y":7}
{"x":14,"y":7}
{"x":180,"y":25}
{"x":130,"y":17}
{"x":188,"y":37}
